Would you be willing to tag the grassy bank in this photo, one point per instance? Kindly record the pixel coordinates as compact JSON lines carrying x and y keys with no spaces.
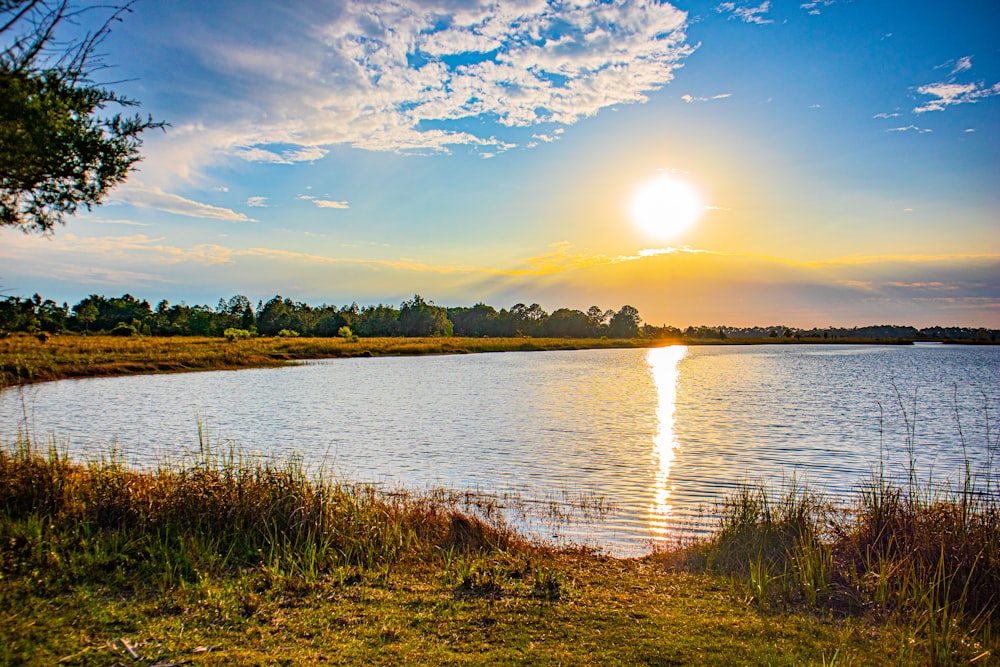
{"x":230,"y":560}
{"x":25,"y":359}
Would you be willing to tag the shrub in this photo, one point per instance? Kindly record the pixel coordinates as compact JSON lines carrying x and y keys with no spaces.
{"x":288,"y":333}
{"x":346,"y":333}
{"x":123,"y":329}
{"x":233,"y":333}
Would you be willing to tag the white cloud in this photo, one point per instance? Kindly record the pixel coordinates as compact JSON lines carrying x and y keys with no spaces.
{"x":257,"y":202}
{"x":327,"y":203}
{"x":962,"y":64}
{"x":291,"y":156}
{"x":949,"y":94}
{"x":910,"y":128}
{"x":157,"y":199}
{"x":408,"y":75}
{"x":813,"y":7}
{"x":747,"y":14}
{"x":886,"y":115}
{"x":691,"y":98}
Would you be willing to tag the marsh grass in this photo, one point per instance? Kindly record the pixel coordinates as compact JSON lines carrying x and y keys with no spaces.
{"x":221,"y":512}
{"x":927,"y":560}
{"x":219,"y":547}
{"x":25,"y":359}
{"x":923,"y":555}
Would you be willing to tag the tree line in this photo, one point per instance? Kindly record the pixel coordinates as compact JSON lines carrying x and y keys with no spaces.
{"x":280,"y":316}
{"x":238,"y":317}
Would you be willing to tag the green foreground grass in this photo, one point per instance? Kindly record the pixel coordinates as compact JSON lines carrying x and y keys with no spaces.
{"x":226,"y":560}
{"x":25,"y":359}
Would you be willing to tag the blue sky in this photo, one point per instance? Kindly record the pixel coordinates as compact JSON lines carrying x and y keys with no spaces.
{"x":845,"y":153}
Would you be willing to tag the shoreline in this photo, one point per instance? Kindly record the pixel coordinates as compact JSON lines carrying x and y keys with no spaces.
{"x":24,"y":359}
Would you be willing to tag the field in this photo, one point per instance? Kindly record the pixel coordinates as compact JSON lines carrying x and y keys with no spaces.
{"x":25,"y":359}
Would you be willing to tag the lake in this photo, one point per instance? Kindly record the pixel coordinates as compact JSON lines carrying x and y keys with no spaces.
{"x":659,"y":434}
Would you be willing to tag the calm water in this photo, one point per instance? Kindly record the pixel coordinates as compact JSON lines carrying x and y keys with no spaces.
{"x":660,"y":434}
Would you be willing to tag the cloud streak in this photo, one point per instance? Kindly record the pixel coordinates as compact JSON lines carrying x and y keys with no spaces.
{"x":328,"y":203}
{"x":951,"y":94}
{"x":157,"y":199}
{"x":910,"y":128}
{"x":691,"y":98}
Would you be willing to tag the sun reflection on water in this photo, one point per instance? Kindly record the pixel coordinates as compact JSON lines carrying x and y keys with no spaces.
{"x":664,"y":363}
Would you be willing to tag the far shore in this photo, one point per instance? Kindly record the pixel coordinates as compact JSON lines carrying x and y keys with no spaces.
{"x":27,"y":359}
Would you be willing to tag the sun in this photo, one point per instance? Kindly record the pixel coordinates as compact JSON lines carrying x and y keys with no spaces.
{"x":665,"y":206}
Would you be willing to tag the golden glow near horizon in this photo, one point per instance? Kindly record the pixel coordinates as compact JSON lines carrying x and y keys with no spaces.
{"x":665,"y":206}
{"x":664,"y":363}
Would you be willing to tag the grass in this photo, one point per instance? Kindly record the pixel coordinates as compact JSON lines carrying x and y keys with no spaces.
{"x":927,"y":562}
{"x":25,"y":359}
{"x":226,"y":559}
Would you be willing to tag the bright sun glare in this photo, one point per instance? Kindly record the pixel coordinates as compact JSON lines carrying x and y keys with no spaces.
{"x":665,"y":206}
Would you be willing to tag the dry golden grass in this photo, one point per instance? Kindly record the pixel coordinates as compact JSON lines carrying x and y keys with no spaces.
{"x":25,"y":359}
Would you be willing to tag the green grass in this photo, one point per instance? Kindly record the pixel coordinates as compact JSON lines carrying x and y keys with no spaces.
{"x":926,"y":562}
{"x":25,"y":359}
{"x":224,"y":559}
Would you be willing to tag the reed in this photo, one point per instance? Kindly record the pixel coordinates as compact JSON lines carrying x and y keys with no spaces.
{"x":926,"y":559}
{"x":217,"y":513}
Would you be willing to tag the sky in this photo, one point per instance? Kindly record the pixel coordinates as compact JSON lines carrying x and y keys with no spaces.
{"x":843,"y":159}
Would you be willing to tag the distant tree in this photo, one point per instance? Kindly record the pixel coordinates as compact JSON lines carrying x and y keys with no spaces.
{"x":17,"y":314}
{"x":327,"y":321}
{"x":51,"y":316}
{"x":58,"y":149}
{"x":650,"y":331}
{"x":597,"y":316}
{"x":568,"y":323}
{"x":479,"y":320}
{"x":377,"y":320}
{"x":418,"y":317}
{"x":274,"y":316}
{"x":625,"y":323}
{"x":527,"y":320}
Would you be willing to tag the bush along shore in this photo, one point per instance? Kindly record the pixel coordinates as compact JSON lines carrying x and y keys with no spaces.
{"x":224,"y":558}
